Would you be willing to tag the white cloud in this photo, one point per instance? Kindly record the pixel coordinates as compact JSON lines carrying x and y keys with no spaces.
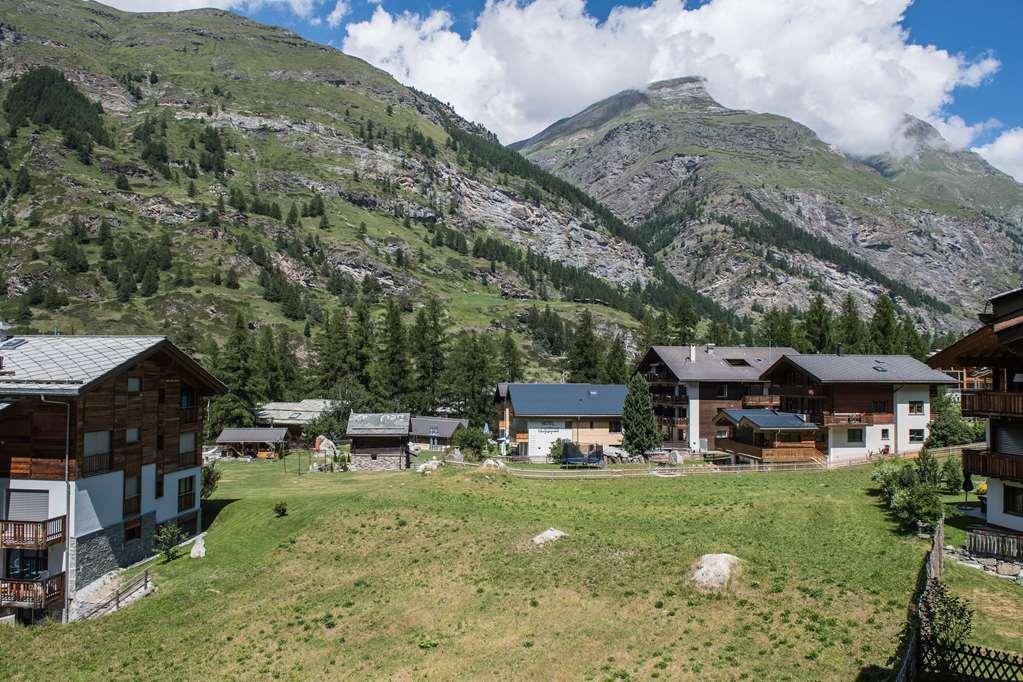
{"x":1006,"y":152}
{"x":845,"y":68}
{"x":339,"y":12}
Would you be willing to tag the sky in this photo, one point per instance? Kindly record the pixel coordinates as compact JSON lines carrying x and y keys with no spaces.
{"x":848,"y":69}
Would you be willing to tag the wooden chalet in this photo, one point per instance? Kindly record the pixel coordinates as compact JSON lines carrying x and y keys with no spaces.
{"x":767,"y":436}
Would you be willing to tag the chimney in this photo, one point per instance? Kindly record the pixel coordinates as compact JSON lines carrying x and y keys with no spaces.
{"x":692,"y":353}
{"x":838,"y":349}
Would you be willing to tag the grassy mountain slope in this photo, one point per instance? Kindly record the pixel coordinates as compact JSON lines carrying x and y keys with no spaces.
{"x":404,"y":201}
{"x":685,"y":170}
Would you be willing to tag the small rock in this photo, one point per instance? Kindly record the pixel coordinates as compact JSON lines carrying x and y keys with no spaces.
{"x":987,"y":561}
{"x":715,"y":571}
{"x":549,"y":535}
{"x":198,"y":549}
{"x":1007,"y":569}
{"x":494,"y":464}
{"x":429,"y":467}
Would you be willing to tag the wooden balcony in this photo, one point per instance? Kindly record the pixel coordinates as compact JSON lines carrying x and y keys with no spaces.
{"x":803,"y":451}
{"x":986,"y":463}
{"x":671,"y":400}
{"x":761,"y":401}
{"x":857,"y":418}
{"x":32,"y":534}
{"x":669,"y":423}
{"x":992,"y":404}
{"x":32,"y":594}
{"x":188,"y":459}
{"x":97,"y":464}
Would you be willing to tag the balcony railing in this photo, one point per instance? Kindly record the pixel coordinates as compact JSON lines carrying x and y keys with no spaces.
{"x":764,"y":401}
{"x":188,"y":415}
{"x":668,"y":399}
{"x":802,"y":451}
{"x":35,"y":594}
{"x":188,"y":459}
{"x":97,"y":464}
{"x":32,"y":534}
{"x":992,"y":403}
{"x":857,"y":418}
{"x":986,"y":463}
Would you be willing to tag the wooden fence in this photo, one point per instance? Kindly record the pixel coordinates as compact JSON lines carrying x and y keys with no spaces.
{"x":120,"y":597}
{"x":924,"y":659}
{"x":987,"y":542}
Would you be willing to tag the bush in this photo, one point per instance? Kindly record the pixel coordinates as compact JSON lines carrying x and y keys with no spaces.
{"x":281,"y":508}
{"x":210,"y":478}
{"x":886,"y":475}
{"x":168,"y":537}
{"x":918,"y":503}
{"x":945,"y":618}
{"x":557,"y":453}
{"x":927,"y":468}
{"x":472,"y":442}
{"x":952,"y":475}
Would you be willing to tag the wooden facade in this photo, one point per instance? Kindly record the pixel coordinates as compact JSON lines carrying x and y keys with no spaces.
{"x":834,"y":403}
{"x":168,"y":404}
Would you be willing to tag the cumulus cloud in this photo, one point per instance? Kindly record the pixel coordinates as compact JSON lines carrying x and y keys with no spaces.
{"x":337,"y":14}
{"x":1006,"y":152}
{"x":845,"y":68}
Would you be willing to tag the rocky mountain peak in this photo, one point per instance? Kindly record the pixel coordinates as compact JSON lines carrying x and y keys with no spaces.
{"x":689,"y":92}
{"x":918,"y":134}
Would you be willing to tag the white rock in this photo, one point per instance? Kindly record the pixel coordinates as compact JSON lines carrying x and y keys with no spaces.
{"x":715,"y":571}
{"x":198,"y":549}
{"x":549,"y":535}
{"x":494,"y":464}
{"x":429,"y":467}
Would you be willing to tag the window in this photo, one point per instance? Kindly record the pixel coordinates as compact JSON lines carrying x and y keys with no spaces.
{"x":1012,"y":497}
{"x":916,"y":436}
{"x":186,"y":443}
{"x":568,"y":424}
{"x":26,"y":564}
{"x":131,"y":495}
{"x":186,"y":493}
{"x":886,"y":434}
{"x":616,"y":426}
{"x":916,"y":407}
{"x":593,"y":424}
{"x":134,"y":385}
{"x":131,"y":436}
{"x":97,"y":443}
{"x":722,"y":391}
{"x":187,"y":397}
{"x":737,"y":362}
{"x":133,"y":530}
{"x":854,"y":437}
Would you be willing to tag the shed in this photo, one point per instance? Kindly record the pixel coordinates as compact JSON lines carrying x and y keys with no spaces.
{"x":379,"y":440}
{"x":254,"y":442}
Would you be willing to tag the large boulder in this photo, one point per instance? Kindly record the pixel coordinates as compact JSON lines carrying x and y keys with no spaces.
{"x":198,"y":548}
{"x":714,"y":572}
{"x":430,"y":466}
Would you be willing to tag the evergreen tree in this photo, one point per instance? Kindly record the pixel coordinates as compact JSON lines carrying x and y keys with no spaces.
{"x":287,"y":365}
{"x":293,"y":219}
{"x":721,"y":333}
{"x":684,"y":322}
{"x":472,"y":377}
{"x":777,"y":327}
{"x":657,"y":330}
{"x":266,"y":379}
{"x":639,"y":428}
{"x":913,"y":343}
{"x":511,"y":359}
{"x":22,"y":182}
{"x":392,"y":376}
{"x":850,"y":330}
{"x":615,"y":369}
{"x":231,"y":282}
{"x":125,"y":285}
{"x":324,"y":223}
{"x":122,"y":183}
{"x":332,"y":349}
{"x":235,"y":363}
{"x":819,"y":327}
{"x":150,"y":282}
{"x":583,"y":361}
{"x":884,"y":332}
{"x":429,"y":343}
{"x":363,"y":343}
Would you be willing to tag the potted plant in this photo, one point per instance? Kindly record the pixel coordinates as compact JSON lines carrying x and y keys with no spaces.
{"x":982,"y":496}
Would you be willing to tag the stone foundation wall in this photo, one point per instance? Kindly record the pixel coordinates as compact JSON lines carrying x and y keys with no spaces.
{"x":381,"y":463}
{"x":105,"y":550}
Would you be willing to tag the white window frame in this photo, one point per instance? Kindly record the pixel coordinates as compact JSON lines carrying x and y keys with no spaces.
{"x":916,"y":402}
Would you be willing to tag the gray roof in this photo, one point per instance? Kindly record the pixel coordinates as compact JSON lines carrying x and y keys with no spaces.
{"x":766,"y":420}
{"x":442,"y":427}
{"x":874,"y":369}
{"x":293,"y":414}
{"x":567,"y":400}
{"x":379,"y":424}
{"x":252,"y":436}
{"x":69,"y":365}
{"x":719,"y":363}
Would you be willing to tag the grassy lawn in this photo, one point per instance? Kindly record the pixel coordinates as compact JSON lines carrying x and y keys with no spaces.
{"x":402,"y":576}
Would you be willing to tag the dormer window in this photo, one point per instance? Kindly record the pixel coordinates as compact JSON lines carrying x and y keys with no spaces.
{"x":737,"y":362}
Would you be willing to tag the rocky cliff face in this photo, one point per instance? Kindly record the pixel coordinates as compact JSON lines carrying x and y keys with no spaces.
{"x":941,"y":220}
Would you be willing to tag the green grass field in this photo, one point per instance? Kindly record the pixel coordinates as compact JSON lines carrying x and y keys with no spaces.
{"x":409,"y":577}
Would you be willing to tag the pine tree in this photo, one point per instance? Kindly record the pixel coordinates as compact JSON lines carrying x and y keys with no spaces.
{"x":684,"y":321}
{"x":818,"y":327}
{"x":511,"y":359}
{"x":363,"y":340}
{"x":231,"y":282}
{"x":324,"y":223}
{"x":333,"y":348}
{"x":615,"y":369}
{"x":287,"y":365}
{"x":884,"y":333}
{"x":720,"y":333}
{"x":150,"y":282}
{"x":266,"y":380}
{"x":429,"y":342}
{"x":235,"y":362}
{"x":22,"y":182}
{"x":913,"y":343}
{"x":638,"y":426}
{"x":391,"y":374}
{"x":122,"y":183}
{"x":850,"y":330}
{"x":583,"y":361}
{"x":293,"y":219}
{"x":125,"y":285}
{"x":777,"y":327}
{"x":472,"y":377}
{"x":192,"y":191}
{"x":657,"y":330}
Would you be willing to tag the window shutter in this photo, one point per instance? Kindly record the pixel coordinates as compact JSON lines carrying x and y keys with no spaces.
{"x":28,"y":505}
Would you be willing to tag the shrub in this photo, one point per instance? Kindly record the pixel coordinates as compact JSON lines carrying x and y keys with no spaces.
{"x":952,"y":474}
{"x":927,"y":468}
{"x":210,"y":478}
{"x":945,"y":618}
{"x":919,"y":502}
{"x":886,"y":475}
{"x":472,"y":442}
{"x":281,"y":508}
{"x":168,"y":537}
{"x":557,"y":453}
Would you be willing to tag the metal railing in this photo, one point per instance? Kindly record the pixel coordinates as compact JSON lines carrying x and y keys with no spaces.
{"x":97,"y":464}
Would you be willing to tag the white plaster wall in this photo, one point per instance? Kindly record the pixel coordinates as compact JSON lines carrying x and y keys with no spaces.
{"x":542,"y":435}
{"x":98,"y":502}
{"x":693,"y":389}
{"x":841,"y":450}
{"x":57,"y":501}
{"x":995,"y":505}
{"x":904,"y":421}
{"x":166,"y":507}
{"x":147,"y":483}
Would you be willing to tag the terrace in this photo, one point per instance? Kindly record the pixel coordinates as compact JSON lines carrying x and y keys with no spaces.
{"x":32,"y":534}
{"x":34,"y":594}
{"x":992,"y":404}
